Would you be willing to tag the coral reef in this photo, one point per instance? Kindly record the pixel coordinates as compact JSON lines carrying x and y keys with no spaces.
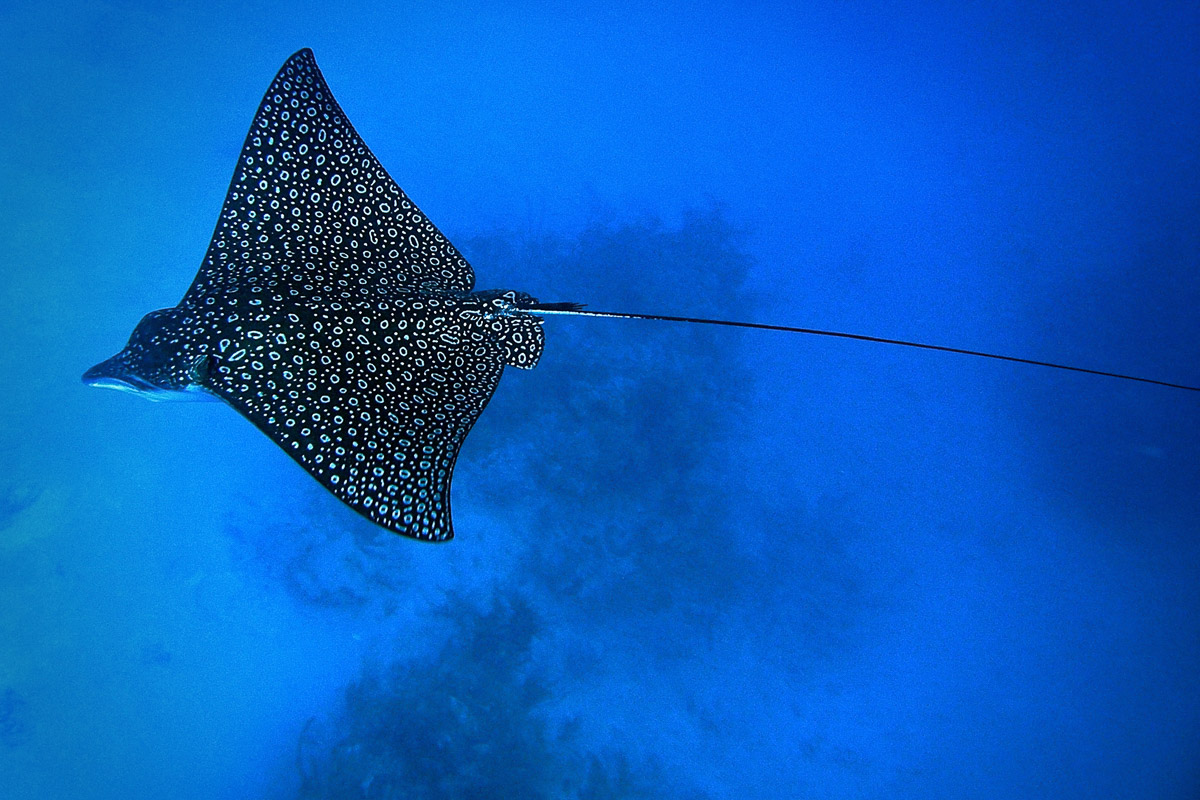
{"x":14,"y":719}
{"x":465,"y":723}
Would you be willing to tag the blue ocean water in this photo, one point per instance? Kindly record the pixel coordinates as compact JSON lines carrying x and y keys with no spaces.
{"x":689,"y":562}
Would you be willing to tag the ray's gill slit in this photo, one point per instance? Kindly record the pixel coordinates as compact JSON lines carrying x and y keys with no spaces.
{"x":333,"y":314}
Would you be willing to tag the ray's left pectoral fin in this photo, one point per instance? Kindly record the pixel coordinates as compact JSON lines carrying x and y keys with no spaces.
{"x":372,"y":457}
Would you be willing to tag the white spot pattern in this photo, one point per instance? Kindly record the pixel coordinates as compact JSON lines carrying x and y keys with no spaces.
{"x":331,"y":313}
{"x":312,"y":209}
{"x":375,"y":414}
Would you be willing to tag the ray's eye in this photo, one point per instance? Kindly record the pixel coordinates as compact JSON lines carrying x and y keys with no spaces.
{"x":156,"y":329}
{"x":152,"y":326}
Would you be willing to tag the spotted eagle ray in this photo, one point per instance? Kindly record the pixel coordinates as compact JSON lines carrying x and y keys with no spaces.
{"x":331,"y":313}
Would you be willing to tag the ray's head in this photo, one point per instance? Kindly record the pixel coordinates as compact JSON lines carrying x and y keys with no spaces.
{"x":159,"y":362}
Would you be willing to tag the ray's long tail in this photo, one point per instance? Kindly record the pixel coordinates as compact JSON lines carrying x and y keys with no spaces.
{"x":577,"y":309}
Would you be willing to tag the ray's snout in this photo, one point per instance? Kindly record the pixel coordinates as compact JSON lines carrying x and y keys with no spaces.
{"x":114,"y":373}
{"x":105,"y":370}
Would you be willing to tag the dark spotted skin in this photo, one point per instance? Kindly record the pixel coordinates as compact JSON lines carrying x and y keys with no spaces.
{"x":311,"y":213}
{"x":332,"y":314}
{"x":373,"y":399}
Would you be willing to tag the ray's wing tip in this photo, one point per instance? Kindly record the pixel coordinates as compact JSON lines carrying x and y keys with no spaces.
{"x":431,"y":539}
{"x":408,"y":532}
{"x":302,"y":56}
{"x":438,"y":538}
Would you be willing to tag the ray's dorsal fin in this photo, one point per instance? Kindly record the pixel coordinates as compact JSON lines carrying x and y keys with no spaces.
{"x":311,"y":210}
{"x":519,"y":336}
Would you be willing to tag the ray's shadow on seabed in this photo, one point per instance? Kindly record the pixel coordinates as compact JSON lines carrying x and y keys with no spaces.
{"x":616,"y":547}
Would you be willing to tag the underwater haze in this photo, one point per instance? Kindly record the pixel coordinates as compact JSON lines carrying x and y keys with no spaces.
{"x":690,"y":561}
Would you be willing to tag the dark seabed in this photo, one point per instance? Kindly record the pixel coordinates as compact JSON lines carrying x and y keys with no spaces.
{"x":690,"y":562}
